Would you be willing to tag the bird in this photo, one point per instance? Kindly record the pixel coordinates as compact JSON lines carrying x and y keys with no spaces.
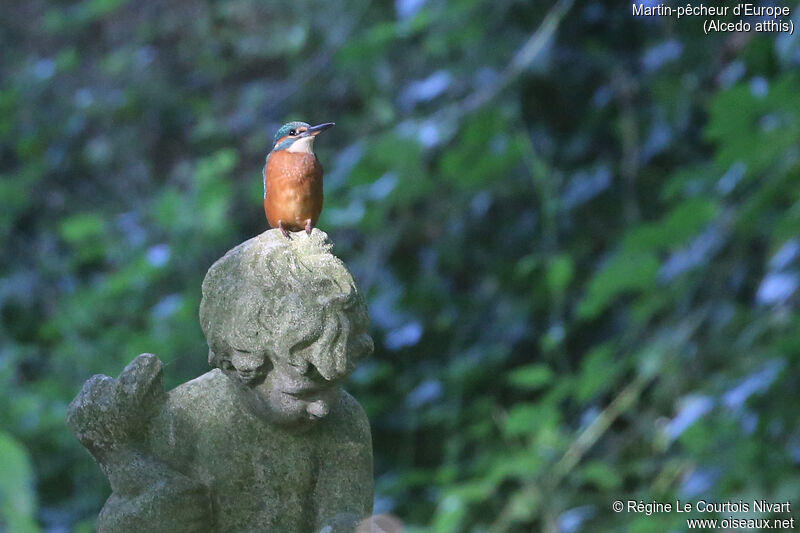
{"x":293,"y":178}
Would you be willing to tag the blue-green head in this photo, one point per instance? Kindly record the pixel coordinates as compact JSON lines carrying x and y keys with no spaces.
{"x":298,"y":136}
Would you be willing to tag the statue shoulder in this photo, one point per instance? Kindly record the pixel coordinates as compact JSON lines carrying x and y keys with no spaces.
{"x":189,"y":409}
{"x":199,"y":397}
{"x":199,"y":387}
{"x":350,"y":421}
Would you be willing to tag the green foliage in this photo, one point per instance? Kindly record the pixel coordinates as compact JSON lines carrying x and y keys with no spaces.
{"x":531,"y":376}
{"x":774,"y":113}
{"x":17,"y":497}
{"x":627,"y":271}
{"x":582,"y":263}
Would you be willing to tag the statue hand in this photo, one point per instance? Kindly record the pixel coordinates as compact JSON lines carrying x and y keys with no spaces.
{"x":111,"y":417}
{"x":108,"y":412}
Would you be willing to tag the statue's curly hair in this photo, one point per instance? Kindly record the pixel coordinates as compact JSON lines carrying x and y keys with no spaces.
{"x":271,"y":293}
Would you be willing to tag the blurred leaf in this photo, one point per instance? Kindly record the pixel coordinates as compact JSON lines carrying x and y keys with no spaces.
{"x":626,"y":272}
{"x":766,"y":122}
{"x":532,"y":377}
{"x":17,"y":498}
{"x":451,"y":513}
{"x":675,"y":229}
{"x":485,"y":151}
{"x":602,"y":475}
{"x":597,"y":373}
{"x":83,"y":227}
{"x":530,"y":418}
{"x":560,"y":273}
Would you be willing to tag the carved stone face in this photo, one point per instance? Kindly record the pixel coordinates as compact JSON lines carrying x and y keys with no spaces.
{"x":285,"y":321}
{"x":294,"y":380}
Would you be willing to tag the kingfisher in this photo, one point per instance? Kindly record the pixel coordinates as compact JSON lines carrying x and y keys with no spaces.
{"x":293,"y":178}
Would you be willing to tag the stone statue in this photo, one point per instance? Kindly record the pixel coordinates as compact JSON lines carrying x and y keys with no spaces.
{"x":267,"y":440}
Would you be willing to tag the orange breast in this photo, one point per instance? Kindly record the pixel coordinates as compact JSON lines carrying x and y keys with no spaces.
{"x":293,"y":189}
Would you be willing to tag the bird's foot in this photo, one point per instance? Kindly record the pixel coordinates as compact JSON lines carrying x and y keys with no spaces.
{"x":283,"y":230}
{"x":308,"y":226}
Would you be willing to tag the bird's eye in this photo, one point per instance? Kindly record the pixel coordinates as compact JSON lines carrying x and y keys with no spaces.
{"x":292,"y":132}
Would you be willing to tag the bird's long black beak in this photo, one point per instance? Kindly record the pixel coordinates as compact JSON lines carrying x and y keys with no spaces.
{"x":319,"y":128}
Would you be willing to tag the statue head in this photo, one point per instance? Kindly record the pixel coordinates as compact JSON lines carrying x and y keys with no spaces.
{"x":284,"y":319}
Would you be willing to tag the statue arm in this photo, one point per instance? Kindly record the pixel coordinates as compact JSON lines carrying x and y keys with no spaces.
{"x":148,"y":495}
{"x":345,"y":489}
{"x":111,"y":418}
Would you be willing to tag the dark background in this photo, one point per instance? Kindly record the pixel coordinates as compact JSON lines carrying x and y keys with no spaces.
{"x":578,"y":232}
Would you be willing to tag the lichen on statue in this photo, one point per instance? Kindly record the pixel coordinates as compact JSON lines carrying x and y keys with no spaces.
{"x":267,"y":440}
{"x":289,"y":338}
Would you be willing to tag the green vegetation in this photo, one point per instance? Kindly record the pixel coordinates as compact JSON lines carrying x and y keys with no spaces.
{"x":578,"y":231}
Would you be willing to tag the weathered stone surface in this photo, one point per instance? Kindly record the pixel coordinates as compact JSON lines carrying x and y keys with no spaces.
{"x":267,"y":440}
